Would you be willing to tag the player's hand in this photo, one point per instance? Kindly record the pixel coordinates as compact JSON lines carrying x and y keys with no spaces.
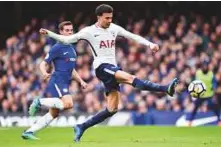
{"x":154,"y":47}
{"x":46,"y":76}
{"x":83,"y":85}
{"x":43,"y":31}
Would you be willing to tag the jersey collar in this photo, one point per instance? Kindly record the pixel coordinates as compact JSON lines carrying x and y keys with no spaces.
{"x":97,"y":26}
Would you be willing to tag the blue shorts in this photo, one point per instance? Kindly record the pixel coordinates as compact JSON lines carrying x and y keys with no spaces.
{"x":198,"y":102}
{"x":105,"y":72}
{"x":56,"y":88}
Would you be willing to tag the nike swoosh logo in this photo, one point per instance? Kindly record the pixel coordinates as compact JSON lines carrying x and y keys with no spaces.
{"x":65,"y":53}
{"x":96,"y":35}
{"x":196,"y":122}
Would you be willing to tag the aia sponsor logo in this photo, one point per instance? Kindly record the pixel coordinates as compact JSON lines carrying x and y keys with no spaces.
{"x":107,"y":43}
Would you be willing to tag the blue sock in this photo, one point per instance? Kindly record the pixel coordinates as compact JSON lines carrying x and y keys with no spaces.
{"x":97,"y":118}
{"x":147,"y":85}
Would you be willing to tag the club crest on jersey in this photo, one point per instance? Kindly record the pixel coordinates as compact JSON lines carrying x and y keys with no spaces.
{"x":70,"y":59}
{"x":65,"y":90}
{"x":107,"y":43}
{"x":113,"y":33}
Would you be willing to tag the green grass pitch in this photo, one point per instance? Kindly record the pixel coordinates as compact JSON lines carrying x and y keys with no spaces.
{"x":140,"y":136}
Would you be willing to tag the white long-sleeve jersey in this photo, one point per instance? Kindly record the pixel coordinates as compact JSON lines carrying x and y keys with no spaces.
{"x":102,"y":41}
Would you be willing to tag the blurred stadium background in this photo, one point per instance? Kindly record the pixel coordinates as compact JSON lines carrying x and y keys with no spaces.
{"x":187,"y":33}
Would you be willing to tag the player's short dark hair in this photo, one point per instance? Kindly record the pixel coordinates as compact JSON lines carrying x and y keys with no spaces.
{"x":64,"y":23}
{"x":103,"y":8}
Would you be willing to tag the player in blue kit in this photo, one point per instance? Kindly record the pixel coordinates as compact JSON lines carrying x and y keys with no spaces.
{"x":64,"y":60}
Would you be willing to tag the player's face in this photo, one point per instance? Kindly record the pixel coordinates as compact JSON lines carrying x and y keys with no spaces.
{"x":205,"y":69}
{"x":67,"y":30}
{"x":105,"y":19}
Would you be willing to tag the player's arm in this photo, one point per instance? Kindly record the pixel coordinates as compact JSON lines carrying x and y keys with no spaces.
{"x":77,"y":77}
{"x":122,"y":32}
{"x":43,"y":68}
{"x":64,"y":39}
{"x":51,"y":55}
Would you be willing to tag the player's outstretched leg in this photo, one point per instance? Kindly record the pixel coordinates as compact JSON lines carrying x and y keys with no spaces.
{"x":34,"y":107}
{"x":126,"y":78}
{"x":147,"y":85}
{"x":99,"y":117}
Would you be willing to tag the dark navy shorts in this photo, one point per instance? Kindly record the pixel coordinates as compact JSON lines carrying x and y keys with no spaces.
{"x":56,"y":88}
{"x":105,"y":72}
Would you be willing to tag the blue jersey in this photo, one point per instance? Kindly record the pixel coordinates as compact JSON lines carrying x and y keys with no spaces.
{"x":64,"y":60}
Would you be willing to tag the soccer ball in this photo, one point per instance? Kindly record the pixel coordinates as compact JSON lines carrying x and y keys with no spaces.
{"x":196,"y":88}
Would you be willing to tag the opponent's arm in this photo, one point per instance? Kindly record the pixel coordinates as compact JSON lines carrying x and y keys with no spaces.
{"x":43,"y":68}
{"x":77,"y":77}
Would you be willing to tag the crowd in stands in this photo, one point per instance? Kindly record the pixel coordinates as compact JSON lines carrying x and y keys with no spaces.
{"x":184,"y":42}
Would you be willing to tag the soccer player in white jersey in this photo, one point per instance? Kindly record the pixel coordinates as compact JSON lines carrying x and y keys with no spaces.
{"x":101,"y":37}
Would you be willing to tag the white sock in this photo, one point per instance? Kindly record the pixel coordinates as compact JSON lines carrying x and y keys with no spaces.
{"x":52,"y":103}
{"x":43,"y":122}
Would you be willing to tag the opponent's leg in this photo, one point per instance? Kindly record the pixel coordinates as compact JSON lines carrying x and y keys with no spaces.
{"x":56,"y":91}
{"x":43,"y":122}
{"x":124,"y":77}
{"x":112,"y":107}
{"x":46,"y":102}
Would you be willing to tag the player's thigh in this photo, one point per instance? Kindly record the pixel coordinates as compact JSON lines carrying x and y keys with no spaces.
{"x":113,"y":98}
{"x":124,"y":77}
{"x":54,"y":112}
{"x":67,"y":101}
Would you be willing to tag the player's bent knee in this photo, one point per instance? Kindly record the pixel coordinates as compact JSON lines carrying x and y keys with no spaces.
{"x":112,"y":109}
{"x":130,"y":79}
{"x":67,"y":101}
{"x":54,"y":112}
{"x":68,"y":105}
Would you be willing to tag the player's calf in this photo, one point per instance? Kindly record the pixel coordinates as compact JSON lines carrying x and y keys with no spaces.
{"x":150,"y":86}
{"x":99,"y":117}
{"x":112,"y":107}
{"x":124,"y":77}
